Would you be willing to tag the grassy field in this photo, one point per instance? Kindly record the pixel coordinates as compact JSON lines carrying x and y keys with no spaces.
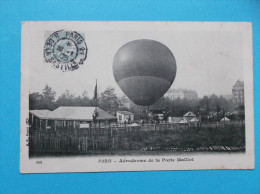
{"x":228,"y":135}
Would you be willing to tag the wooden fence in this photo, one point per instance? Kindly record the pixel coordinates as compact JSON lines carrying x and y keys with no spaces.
{"x":80,"y":140}
{"x":163,"y":126}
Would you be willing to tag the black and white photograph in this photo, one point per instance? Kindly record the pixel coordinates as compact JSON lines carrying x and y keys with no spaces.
{"x":136,"y":96}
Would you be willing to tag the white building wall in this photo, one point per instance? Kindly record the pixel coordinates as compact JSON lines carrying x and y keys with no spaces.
{"x":121,"y":118}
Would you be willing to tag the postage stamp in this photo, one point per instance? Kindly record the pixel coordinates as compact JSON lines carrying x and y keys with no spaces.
{"x":65,"y":50}
{"x":151,"y":96}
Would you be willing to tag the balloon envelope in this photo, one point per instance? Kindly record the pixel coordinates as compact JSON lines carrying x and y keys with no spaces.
{"x":144,"y":70}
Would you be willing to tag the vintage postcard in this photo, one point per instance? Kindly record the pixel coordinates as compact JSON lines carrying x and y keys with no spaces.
{"x":136,"y":96}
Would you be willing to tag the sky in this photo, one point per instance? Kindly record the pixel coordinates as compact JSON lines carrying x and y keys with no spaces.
{"x":207,"y":61}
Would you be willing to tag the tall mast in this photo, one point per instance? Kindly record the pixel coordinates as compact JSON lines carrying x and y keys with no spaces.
{"x":96,"y":96}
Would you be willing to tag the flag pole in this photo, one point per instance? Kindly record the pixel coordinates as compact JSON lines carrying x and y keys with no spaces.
{"x":95,"y":114}
{"x":96,"y":94}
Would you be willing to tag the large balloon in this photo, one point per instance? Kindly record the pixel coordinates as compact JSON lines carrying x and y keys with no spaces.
{"x":144,"y":70}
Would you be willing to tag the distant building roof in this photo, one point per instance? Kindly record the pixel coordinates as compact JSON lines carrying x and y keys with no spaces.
{"x":134,"y":125}
{"x":189,"y":114}
{"x":225,"y":119}
{"x":183,"y":122}
{"x":125,"y":112}
{"x":194,"y":120}
{"x":74,"y":113}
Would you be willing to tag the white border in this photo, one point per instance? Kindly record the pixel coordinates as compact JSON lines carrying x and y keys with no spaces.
{"x":90,"y":164}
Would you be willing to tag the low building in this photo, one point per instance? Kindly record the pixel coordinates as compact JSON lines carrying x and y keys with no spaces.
{"x":174,"y":119}
{"x":124,"y":117}
{"x":225,"y":119}
{"x":158,"y":114}
{"x":69,"y":118}
{"x":188,"y":116}
{"x":194,"y":122}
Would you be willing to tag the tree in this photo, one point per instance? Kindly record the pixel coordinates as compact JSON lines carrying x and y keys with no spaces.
{"x":49,"y":94}
{"x":204,"y":105}
{"x":66,"y":99}
{"x":108,"y":100}
{"x":35,"y":101}
{"x":46,"y":100}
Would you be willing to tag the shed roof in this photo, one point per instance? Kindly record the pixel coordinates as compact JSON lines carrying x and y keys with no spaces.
{"x":40,"y":113}
{"x":125,"y":112}
{"x":194,"y":120}
{"x":189,"y":114}
{"x":183,"y":122}
{"x":75,"y":113}
{"x":225,"y":119}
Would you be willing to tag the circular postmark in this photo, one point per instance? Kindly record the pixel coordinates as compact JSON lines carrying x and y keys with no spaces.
{"x":65,"y":50}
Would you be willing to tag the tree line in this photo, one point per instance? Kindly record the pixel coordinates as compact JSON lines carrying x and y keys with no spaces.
{"x":48,"y":99}
{"x":110,"y":102}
